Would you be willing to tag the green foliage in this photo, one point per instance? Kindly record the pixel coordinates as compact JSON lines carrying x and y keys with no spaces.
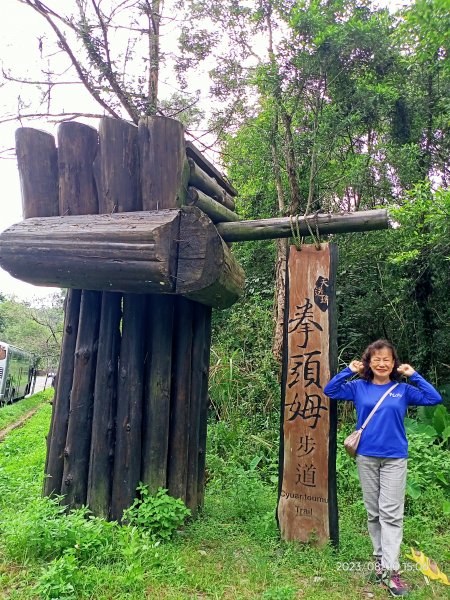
{"x":160,"y":515}
{"x":35,"y":327}
{"x":233,"y":547}
{"x":10,"y":413}
{"x":401,"y":279}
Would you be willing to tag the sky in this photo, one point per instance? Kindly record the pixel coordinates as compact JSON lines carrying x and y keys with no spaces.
{"x":20,"y":29}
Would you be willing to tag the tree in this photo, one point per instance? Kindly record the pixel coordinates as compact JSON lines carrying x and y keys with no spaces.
{"x":35,"y":327}
{"x":112,"y":49}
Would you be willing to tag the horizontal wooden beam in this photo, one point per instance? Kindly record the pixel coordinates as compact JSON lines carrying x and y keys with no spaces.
{"x":216,"y":211}
{"x":175,"y":251}
{"x":202,"y":181}
{"x":284,"y":227}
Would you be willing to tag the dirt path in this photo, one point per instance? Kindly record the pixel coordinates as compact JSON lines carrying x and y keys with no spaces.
{"x":19,"y":422}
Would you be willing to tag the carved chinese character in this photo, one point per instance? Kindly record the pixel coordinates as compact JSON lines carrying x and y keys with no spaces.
{"x":308,"y":409}
{"x":306,"y":445}
{"x":303,"y":322}
{"x":306,"y":475}
{"x":311,"y":369}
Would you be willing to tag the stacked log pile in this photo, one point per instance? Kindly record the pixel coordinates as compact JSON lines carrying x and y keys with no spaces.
{"x":135,"y":222}
{"x":132,"y":390}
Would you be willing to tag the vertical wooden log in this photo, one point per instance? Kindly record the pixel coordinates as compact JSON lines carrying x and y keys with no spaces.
{"x":164,"y":167}
{"x":61,"y":404}
{"x":164,"y":175}
{"x":180,"y":401}
{"x":198,"y":347}
{"x":156,"y":414}
{"x":306,"y":504}
{"x":116,"y":169}
{"x":78,"y":442}
{"x":38,"y":172}
{"x":101,"y":461}
{"x":204,"y":403}
{"x":127,"y":461}
{"x":77,"y":147}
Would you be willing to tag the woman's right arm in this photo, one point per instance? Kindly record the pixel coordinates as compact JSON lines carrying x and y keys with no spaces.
{"x":339,"y":388}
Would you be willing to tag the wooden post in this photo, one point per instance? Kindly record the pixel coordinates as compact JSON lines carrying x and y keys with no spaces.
{"x":156,"y":414}
{"x":204,"y":404}
{"x":101,"y":460}
{"x":164,"y":168}
{"x":78,"y":441}
{"x":127,"y":461}
{"x":307,"y":507}
{"x":116,"y":169}
{"x":61,"y":404}
{"x":180,"y":401}
{"x":197,"y":380}
{"x":38,"y":172}
{"x":77,"y":147}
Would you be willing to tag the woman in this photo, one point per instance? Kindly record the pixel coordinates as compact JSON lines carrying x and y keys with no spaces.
{"x":383,"y":449}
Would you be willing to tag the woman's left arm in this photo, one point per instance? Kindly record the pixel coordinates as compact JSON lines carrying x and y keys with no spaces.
{"x":424,"y":394}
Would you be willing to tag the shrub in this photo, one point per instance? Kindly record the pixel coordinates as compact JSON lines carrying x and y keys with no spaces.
{"x":159,"y":515}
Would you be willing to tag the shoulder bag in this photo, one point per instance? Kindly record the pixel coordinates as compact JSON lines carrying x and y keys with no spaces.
{"x":352,"y":441}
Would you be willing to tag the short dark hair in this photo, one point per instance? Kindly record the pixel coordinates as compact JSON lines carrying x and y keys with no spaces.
{"x":367,"y":373}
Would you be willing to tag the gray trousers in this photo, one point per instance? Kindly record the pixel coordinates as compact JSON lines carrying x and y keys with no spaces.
{"x":383,"y":482}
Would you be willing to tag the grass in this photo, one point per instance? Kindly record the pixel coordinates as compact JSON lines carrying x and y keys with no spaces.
{"x":11,"y":413}
{"x":232,"y":551}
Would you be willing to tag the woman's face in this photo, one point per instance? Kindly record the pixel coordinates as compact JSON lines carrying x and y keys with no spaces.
{"x":382,"y":362}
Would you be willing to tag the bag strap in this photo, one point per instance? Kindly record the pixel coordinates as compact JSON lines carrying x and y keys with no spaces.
{"x":372,"y":412}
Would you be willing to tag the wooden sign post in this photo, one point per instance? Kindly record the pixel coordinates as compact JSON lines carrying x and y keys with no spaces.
{"x":307,"y":503}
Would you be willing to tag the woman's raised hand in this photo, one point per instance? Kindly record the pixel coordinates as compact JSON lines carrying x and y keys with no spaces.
{"x":406,"y":370}
{"x":356,"y":366}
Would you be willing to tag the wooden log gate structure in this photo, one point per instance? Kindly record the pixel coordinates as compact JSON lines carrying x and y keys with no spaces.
{"x":137,"y":224}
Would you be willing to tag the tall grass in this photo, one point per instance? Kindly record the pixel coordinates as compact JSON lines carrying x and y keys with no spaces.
{"x":232,"y":550}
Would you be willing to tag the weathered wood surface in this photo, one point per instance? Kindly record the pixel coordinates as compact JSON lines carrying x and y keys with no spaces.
{"x":116,"y":170}
{"x":75,"y":177}
{"x":204,"y":404}
{"x":266,"y":229}
{"x":37,"y":161}
{"x":116,"y":167}
{"x":180,"y":399}
{"x":156,"y":413}
{"x":207,"y":270}
{"x":209,"y":168}
{"x":127,"y":462}
{"x":77,"y":149}
{"x":215,"y":211}
{"x":78,"y":441}
{"x":101,"y":461}
{"x":163,"y":166}
{"x":306,"y":508}
{"x":38,"y":172}
{"x":119,"y":252}
{"x":202,"y":181}
{"x":61,"y":403}
{"x":167,"y":251}
{"x":198,"y":348}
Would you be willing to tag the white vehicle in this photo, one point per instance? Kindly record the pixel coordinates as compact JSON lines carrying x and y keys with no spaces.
{"x":17,"y":373}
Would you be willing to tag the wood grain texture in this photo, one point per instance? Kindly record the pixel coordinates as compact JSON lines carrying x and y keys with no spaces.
{"x":163,"y":166}
{"x":38,"y":172}
{"x":304,"y":495}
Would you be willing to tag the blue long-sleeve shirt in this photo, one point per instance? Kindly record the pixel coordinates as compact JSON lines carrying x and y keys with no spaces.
{"x":385,"y":435}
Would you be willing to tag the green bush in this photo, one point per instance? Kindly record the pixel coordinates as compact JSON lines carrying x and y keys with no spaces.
{"x":159,"y":515}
